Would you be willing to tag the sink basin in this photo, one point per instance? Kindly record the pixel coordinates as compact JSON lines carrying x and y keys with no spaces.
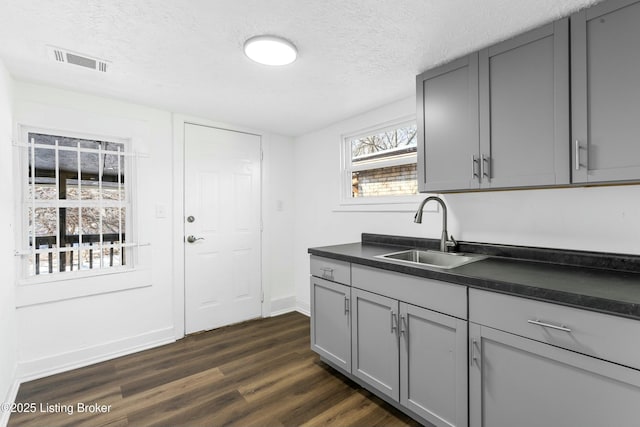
{"x":428,"y":258}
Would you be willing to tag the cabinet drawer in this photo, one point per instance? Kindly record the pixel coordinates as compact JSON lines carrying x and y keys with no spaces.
{"x":595,"y":334}
{"x":435,"y":295}
{"x":331,"y":269}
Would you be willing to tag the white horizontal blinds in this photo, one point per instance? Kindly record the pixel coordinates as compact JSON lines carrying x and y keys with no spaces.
{"x":77,"y":204}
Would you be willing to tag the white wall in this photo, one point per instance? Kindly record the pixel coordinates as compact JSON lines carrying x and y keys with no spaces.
{"x":58,"y":335}
{"x":597,"y":218}
{"x":277,"y":214}
{"x":8,"y":343}
{"x":146,"y":308}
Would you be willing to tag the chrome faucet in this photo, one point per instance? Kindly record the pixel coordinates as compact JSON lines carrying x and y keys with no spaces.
{"x":444,"y":241}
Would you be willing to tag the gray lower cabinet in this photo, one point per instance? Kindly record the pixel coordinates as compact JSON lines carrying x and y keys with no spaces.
{"x":534,"y":363}
{"x":412,"y":355}
{"x":516,"y":381}
{"x":375,"y":348}
{"x":331,"y":321}
{"x":433,"y":365}
{"x":605,"y":92}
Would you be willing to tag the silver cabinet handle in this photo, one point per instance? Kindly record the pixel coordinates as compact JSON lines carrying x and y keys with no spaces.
{"x":474,"y":356}
{"x":577,"y":153}
{"x":486,"y":171}
{"x":393,"y":322}
{"x":403,"y":325}
{"x":346,"y":304}
{"x":327,"y":272}
{"x":192,"y":238}
{"x":474,"y":170}
{"x":549,"y":325}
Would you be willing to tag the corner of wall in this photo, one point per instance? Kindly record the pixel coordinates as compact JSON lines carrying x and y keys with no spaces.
{"x":9,"y":347}
{"x":303,"y":307}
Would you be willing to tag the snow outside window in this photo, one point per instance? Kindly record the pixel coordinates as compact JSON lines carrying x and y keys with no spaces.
{"x":75,"y":204}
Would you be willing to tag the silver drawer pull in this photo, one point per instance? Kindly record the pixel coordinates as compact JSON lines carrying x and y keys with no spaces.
{"x":394,"y":321}
{"x":548,"y":325}
{"x":327,"y":272}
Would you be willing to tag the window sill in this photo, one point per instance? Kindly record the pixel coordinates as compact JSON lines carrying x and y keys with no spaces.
{"x":44,"y":290}
{"x":384,"y":204}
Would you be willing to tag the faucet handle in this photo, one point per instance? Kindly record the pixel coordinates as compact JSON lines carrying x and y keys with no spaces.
{"x":452,"y":243}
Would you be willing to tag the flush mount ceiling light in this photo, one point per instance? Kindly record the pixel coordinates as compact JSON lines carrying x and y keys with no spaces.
{"x":270,"y":50}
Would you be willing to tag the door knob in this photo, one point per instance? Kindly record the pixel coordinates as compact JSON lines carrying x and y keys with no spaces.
{"x":192,"y":238}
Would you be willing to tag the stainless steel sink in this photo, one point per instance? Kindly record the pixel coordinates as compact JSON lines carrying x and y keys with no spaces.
{"x":436,"y":259}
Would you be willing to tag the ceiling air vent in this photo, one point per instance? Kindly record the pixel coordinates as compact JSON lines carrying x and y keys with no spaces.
{"x":74,"y":58}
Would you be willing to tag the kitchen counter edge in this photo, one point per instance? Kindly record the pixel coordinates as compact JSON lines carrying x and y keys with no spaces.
{"x":469,"y":275}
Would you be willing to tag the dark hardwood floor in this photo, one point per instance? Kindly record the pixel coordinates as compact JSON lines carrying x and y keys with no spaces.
{"x":257,"y":373}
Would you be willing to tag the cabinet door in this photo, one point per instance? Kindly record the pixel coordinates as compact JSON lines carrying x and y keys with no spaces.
{"x":516,"y":381}
{"x":524,"y":109}
{"x":375,"y":349}
{"x":330,"y":321}
{"x":433,"y":365}
{"x":605,"y":92}
{"x":447,"y":116}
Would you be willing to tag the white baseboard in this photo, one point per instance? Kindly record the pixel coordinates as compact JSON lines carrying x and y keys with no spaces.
{"x":283,"y":305}
{"x":39,"y":368}
{"x":303,"y":307}
{"x":10,"y":398}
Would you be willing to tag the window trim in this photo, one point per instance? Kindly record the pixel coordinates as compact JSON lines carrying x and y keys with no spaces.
{"x":23,"y":249}
{"x":399,"y":203}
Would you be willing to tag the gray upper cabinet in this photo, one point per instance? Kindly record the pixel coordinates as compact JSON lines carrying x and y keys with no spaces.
{"x":447,"y":116}
{"x":605,"y":91}
{"x":524,"y":109}
{"x":498,"y":118}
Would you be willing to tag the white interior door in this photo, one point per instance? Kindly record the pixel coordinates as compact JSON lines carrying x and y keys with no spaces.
{"x":222,"y":211}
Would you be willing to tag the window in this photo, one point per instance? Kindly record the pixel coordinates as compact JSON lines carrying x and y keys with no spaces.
{"x":75,"y":204}
{"x":381,"y":162}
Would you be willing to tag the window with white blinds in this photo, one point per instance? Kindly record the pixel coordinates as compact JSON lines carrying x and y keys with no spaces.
{"x":76,"y":204}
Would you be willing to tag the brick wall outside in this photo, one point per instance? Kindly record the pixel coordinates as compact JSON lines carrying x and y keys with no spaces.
{"x":387,"y":181}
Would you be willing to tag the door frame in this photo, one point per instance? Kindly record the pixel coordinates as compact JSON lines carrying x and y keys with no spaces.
{"x":179,"y":122}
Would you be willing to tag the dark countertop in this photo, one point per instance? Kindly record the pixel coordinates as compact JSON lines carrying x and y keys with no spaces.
{"x":576,"y":279}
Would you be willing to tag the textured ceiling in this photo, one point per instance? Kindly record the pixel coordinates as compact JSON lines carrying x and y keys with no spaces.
{"x":186,"y":55}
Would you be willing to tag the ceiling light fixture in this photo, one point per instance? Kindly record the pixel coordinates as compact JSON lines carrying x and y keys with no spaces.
{"x":270,"y":50}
